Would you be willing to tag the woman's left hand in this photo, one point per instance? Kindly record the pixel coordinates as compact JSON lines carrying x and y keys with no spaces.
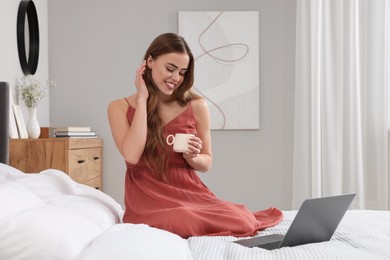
{"x":194,"y":146}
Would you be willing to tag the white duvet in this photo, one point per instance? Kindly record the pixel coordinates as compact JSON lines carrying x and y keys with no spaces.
{"x":49,"y":216}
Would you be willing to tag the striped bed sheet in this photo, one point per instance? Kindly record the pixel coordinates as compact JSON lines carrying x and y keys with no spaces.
{"x":362,"y":234}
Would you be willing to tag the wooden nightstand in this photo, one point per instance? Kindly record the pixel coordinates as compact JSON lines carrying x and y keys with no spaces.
{"x":81,"y":158}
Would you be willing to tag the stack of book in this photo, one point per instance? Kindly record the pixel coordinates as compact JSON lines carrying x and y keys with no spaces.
{"x":68,"y":131}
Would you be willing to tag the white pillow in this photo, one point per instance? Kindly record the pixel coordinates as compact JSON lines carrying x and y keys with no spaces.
{"x":130,"y":241}
{"x":15,"y":198}
{"x":45,"y":233}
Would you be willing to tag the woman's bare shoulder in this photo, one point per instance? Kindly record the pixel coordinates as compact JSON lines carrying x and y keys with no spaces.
{"x":199,"y":105}
{"x":122,"y":103}
{"x":200,"y":109}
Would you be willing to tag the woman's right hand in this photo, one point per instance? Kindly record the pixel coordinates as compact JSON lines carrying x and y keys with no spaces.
{"x":140,"y":84}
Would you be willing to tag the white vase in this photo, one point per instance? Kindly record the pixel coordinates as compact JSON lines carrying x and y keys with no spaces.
{"x":33,"y":128}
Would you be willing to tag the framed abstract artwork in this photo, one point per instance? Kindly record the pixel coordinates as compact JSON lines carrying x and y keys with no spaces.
{"x":225,"y":45}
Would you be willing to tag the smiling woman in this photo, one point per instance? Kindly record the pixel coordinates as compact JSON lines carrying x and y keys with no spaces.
{"x":27,"y":8}
{"x":162,"y":186}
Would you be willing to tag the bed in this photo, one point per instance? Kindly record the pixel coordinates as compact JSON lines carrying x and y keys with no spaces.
{"x":49,"y":216}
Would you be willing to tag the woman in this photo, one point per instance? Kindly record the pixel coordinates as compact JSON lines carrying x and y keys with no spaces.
{"x":162,"y":188}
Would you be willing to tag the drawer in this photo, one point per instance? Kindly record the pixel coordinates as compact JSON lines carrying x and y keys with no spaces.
{"x":85,"y":164}
{"x":96,"y":183}
{"x":81,"y":158}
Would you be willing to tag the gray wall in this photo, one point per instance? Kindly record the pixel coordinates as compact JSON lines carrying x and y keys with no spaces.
{"x":10,"y":69}
{"x":95,"y":47}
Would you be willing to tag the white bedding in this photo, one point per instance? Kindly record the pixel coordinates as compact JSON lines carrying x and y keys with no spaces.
{"x":362,"y":234}
{"x":49,"y":216}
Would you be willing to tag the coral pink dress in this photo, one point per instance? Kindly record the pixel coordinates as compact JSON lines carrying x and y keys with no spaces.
{"x":183,"y":204}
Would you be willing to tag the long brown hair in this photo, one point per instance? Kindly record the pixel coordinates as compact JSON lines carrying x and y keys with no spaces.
{"x":156,"y":152}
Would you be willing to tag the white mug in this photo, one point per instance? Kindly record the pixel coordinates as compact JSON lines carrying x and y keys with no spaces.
{"x":179,"y":141}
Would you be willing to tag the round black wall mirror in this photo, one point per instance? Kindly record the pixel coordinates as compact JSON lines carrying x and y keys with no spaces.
{"x":27,"y":9}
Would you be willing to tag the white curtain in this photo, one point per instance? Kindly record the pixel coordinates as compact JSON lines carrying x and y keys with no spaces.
{"x":341,"y":101}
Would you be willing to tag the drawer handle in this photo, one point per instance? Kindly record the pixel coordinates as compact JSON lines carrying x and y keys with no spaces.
{"x":96,"y":158}
{"x":81,"y":161}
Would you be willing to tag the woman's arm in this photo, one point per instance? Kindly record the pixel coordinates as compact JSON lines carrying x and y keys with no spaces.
{"x":130,"y":139}
{"x":200,"y":158}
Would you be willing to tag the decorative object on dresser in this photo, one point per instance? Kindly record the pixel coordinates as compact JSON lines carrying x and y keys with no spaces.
{"x":22,"y":130}
{"x":68,"y":131}
{"x":4,"y":121}
{"x":73,"y":128}
{"x":75,"y":131}
{"x":31,"y":93}
{"x":33,"y":128}
{"x":13,"y":128}
{"x":90,"y":134}
{"x":80,"y":158}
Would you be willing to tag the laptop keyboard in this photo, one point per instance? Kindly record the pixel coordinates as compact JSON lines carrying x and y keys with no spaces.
{"x":270,"y":246}
{"x":267,"y":242}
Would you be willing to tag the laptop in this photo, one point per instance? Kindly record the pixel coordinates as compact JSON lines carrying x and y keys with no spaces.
{"x":316,"y":221}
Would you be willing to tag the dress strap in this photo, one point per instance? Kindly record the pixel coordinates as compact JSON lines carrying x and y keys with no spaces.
{"x":127,"y":101}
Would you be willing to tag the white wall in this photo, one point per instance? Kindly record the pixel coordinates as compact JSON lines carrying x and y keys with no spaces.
{"x":10,"y":69}
{"x":95,"y":48}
